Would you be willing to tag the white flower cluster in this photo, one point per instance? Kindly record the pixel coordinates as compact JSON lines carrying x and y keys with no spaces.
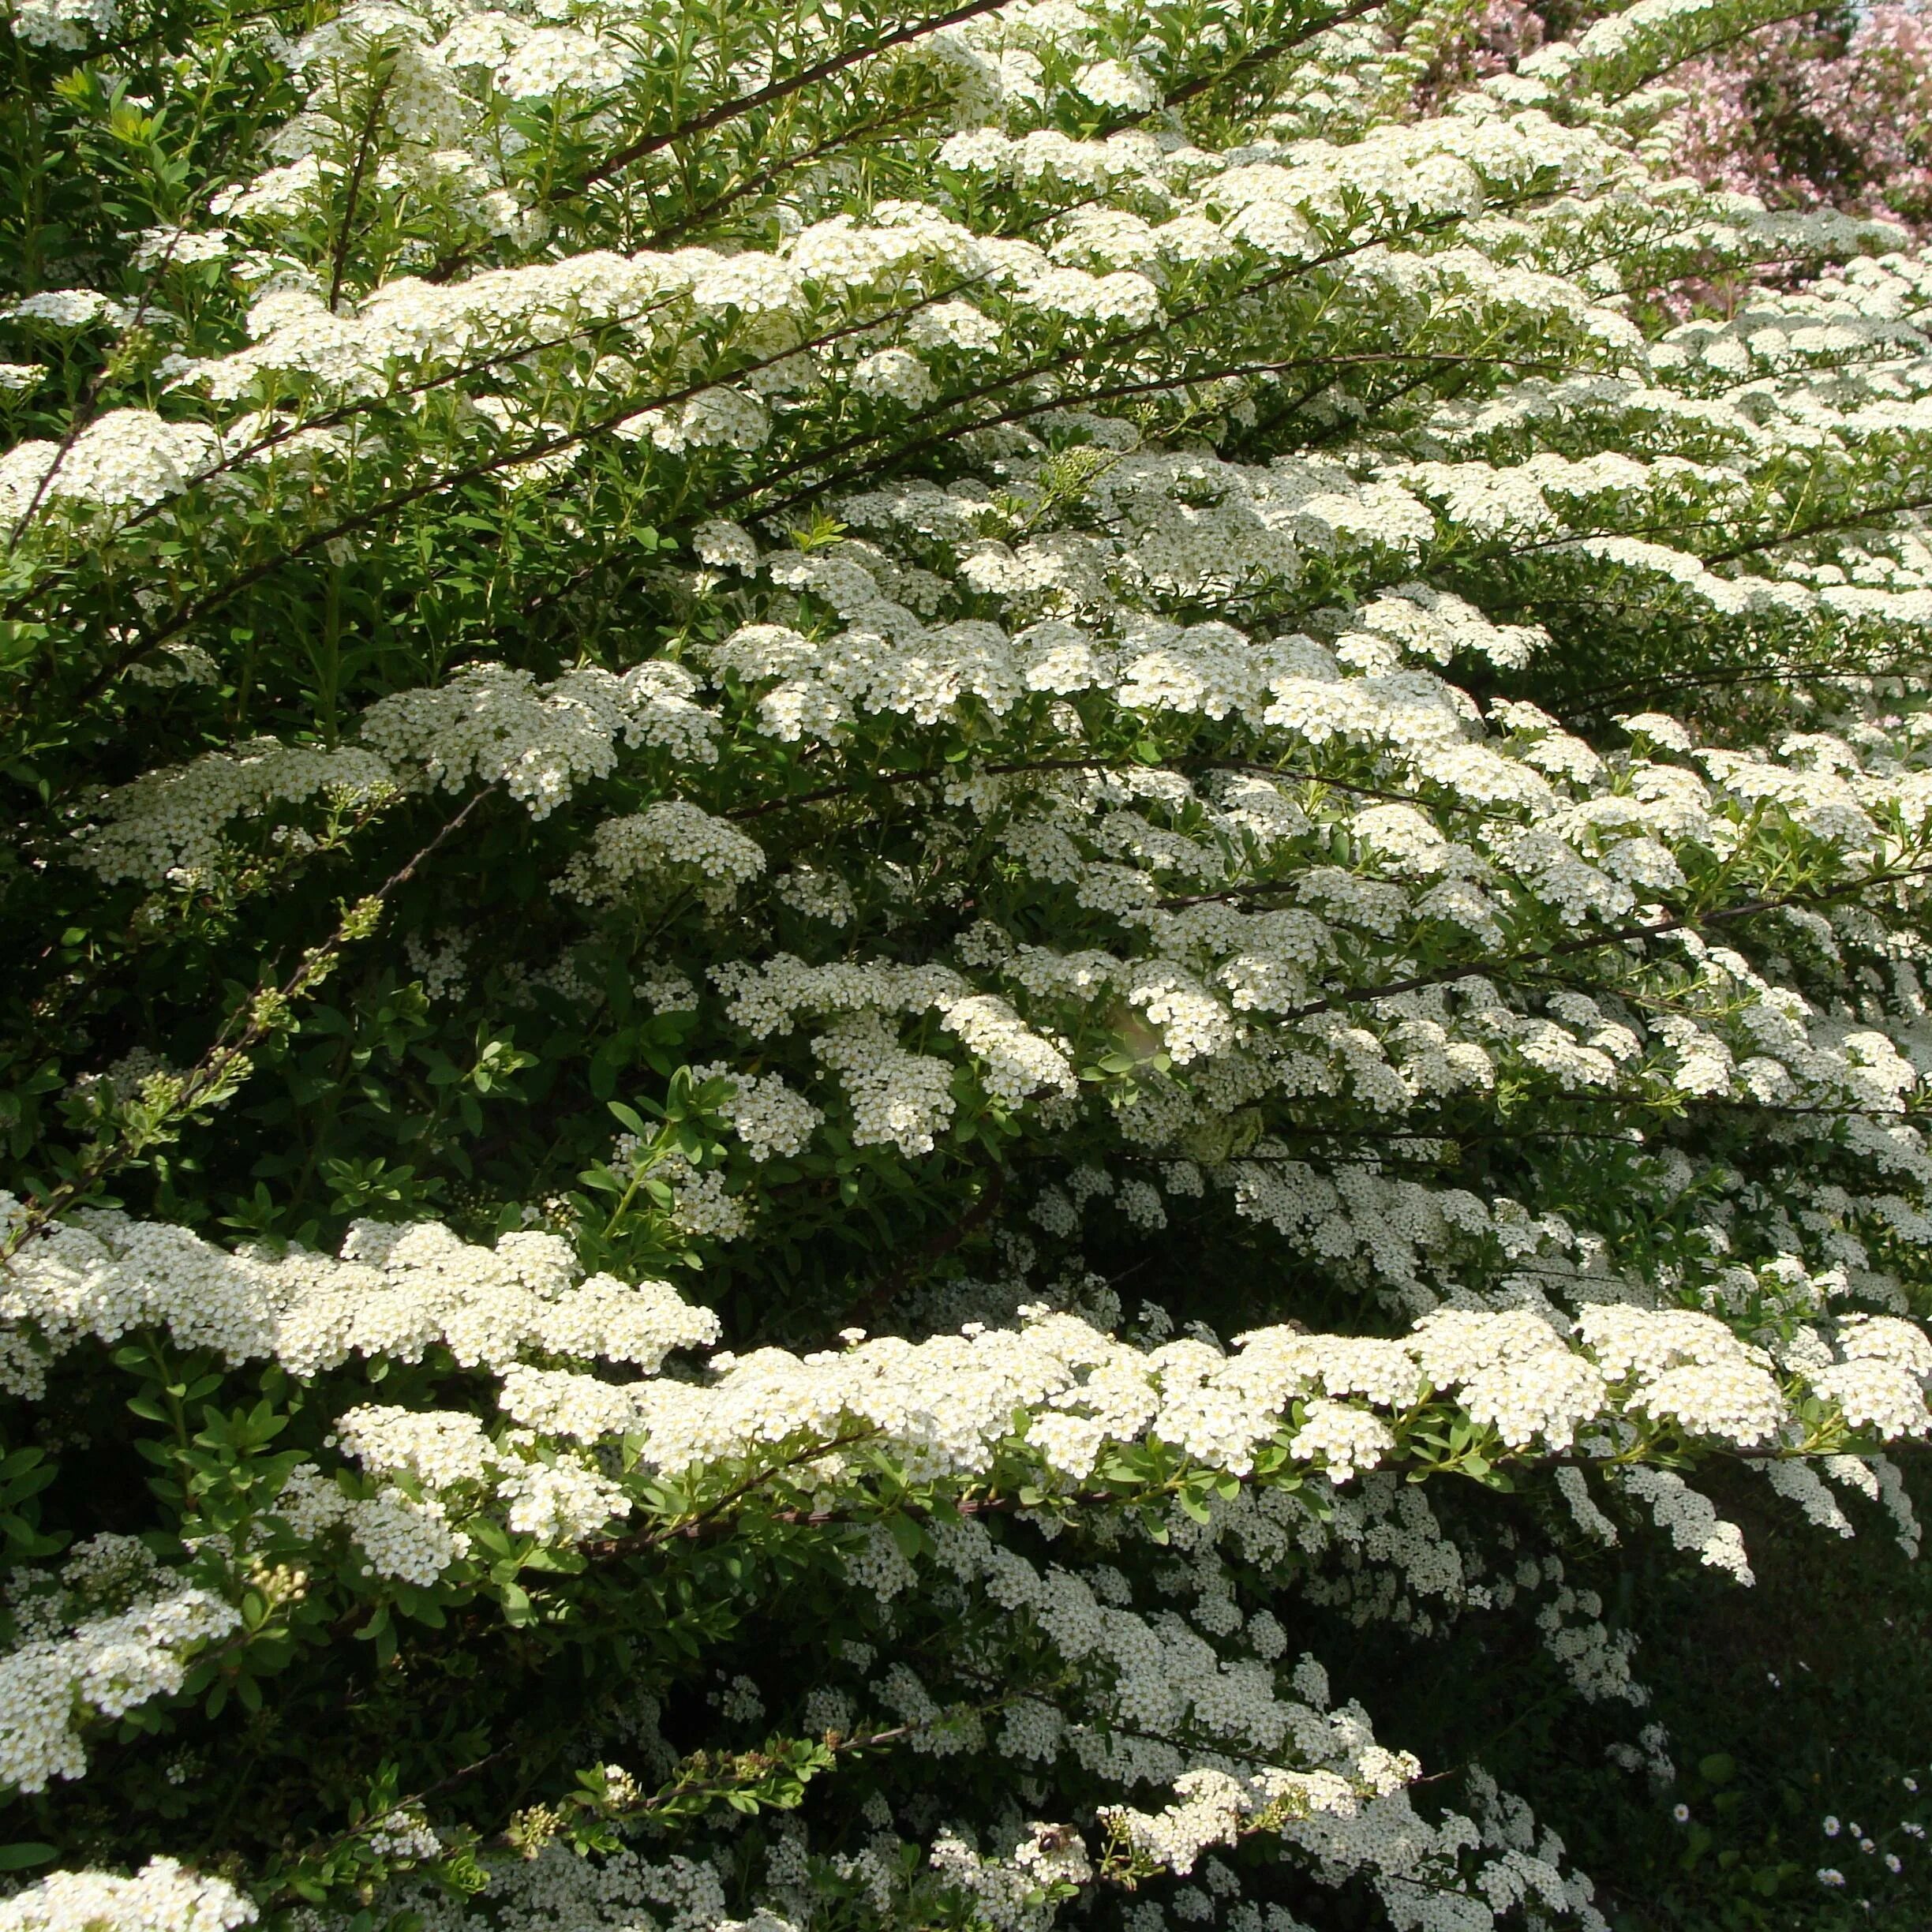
{"x":895,"y":1094}
{"x":1691,"y":1519}
{"x":487,"y":725}
{"x":49,"y":1685}
{"x":68,"y":25}
{"x":1215,"y":1807}
{"x":396,"y":1291}
{"x":1691,"y":1368}
{"x":1005,"y":1891}
{"x":817,"y":893}
{"x":669,"y":835}
{"x":401,"y":1536}
{"x":123,"y":461}
{"x":540,"y":742}
{"x":163,"y":1894}
{"x":768,"y":1117}
{"x":556,"y":60}
{"x":1016,"y":1063}
{"x":557,"y":1498}
{"x":903,"y":1098}
{"x":170,"y":822}
{"x":945,"y":1406}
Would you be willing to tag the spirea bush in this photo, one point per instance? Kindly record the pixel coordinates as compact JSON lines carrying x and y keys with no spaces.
{"x":875,"y":884}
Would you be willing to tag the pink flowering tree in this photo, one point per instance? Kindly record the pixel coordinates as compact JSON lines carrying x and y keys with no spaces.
{"x":1832,"y":107}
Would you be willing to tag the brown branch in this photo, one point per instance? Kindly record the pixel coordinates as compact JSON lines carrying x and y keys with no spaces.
{"x":773,"y":90}
{"x":825,"y":793}
{"x":753,"y":184}
{"x":1009,"y":1504}
{"x":1825,"y":526}
{"x":1263,"y":56}
{"x":188,"y":615}
{"x":363,"y":405}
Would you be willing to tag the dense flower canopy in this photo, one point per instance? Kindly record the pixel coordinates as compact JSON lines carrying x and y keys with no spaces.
{"x":876,"y":878}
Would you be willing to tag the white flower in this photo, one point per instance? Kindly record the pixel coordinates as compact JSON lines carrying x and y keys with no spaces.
{"x":896,"y":375}
{"x":670,"y":835}
{"x":553,"y":60}
{"x":68,"y":25}
{"x":103,"y":1666}
{"x":161,"y":1894}
{"x":724,"y":545}
{"x":1113,"y":84}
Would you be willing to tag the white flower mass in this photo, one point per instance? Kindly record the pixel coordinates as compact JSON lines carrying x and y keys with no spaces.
{"x":882,"y":883}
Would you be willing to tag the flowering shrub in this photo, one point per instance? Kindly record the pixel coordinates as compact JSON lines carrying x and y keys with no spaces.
{"x":876,"y":881}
